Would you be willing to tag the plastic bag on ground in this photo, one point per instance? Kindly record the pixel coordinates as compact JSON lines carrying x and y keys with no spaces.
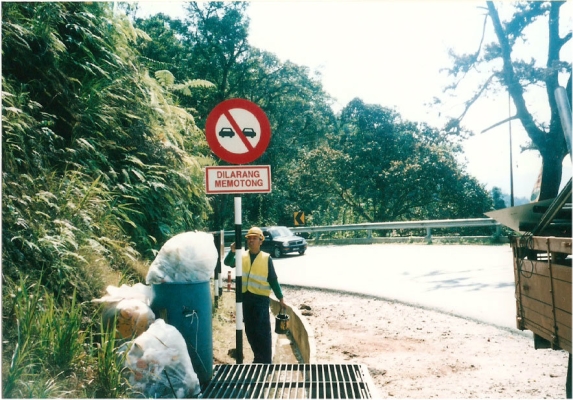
{"x":186,"y":257}
{"x":128,"y":307}
{"x":159,"y":364}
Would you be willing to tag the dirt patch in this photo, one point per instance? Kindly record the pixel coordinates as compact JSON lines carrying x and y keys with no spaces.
{"x":415,"y":353}
{"x":225,"y":332}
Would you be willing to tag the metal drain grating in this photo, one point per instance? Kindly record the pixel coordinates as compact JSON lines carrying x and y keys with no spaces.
{"x":289,"y":381}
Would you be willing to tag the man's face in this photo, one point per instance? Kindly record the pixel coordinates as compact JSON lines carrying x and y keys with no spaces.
{"x":254,"y":244}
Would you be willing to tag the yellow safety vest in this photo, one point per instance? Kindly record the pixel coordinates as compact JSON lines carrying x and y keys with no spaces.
{"x":256,"y":275}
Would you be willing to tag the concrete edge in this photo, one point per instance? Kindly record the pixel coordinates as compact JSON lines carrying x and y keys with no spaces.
{"x":301,"y":331}
{"x":485,"y":240}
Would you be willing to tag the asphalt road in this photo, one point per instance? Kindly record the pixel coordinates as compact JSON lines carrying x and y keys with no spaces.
{"x":471,"y":281}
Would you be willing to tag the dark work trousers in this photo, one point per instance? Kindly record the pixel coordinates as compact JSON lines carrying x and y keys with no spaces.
{"x":258,"y":326}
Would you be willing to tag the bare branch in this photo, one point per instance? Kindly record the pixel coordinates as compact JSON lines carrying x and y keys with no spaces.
{"x":472,"y":64}
{"x":475,"y":97}
{"x":500,"y":123}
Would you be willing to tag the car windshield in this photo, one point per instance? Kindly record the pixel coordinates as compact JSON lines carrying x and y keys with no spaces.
{"x":281,"y":231}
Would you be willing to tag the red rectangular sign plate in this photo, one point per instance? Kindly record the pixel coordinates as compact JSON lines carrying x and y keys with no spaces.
{"x":238,"y":179}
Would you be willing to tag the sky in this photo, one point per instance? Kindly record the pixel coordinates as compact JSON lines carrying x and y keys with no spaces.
{"x":390,"y":53}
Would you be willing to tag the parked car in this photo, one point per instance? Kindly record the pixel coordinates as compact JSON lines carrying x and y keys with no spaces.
{"x":279,"y":240}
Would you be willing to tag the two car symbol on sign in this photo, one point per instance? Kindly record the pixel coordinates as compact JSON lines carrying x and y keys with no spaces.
{"x":248,"y":132}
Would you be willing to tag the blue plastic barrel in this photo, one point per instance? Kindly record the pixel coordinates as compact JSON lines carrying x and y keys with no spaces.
{"x":187,"y":307}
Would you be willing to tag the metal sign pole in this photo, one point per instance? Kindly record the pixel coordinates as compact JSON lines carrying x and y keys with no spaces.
{"x":217,"y":272}
{"x":564,"y":109}
{"x":222,"y":252}
{"x":239,"y":279}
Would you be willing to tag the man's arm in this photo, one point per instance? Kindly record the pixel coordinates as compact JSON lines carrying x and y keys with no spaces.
{"x":274,"y":283}
{"x":230,"y":257}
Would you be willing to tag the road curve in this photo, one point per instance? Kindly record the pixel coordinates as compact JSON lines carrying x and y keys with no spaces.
{"x":470,"y":281}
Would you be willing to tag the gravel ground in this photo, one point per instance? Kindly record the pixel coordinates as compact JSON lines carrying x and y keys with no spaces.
{"x":412,"y":352}
{"x":417,"y":353}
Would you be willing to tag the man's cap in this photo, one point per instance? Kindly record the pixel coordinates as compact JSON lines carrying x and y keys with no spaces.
{"x":254,"y":231}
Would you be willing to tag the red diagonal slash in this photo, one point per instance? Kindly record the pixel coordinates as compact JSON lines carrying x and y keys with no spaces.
{"x":238,"y":130}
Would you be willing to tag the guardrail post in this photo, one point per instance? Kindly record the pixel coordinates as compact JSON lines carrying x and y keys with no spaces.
{"x":497,"y":233}
{"x":429,"y":235}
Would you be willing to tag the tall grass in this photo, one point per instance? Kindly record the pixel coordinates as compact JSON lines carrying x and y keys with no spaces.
{"x":23,"y":359}
{"x":54,"y":352}
{"x":61,"y":336}
{"x":109,"y":361}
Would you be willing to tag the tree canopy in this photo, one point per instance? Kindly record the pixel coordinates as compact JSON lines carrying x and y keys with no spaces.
{"x":518,"y":75}
{"x":103,"y":143}
{"x":375,"y":145}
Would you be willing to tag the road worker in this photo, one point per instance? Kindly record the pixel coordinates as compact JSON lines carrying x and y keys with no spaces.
{"x":258,"y":279}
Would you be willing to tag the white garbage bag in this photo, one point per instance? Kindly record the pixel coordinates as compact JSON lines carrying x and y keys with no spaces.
{"x":128,"y":307}
{"x":139,"y":291}
{"x":159,"y":365}
{"x":186,"y":257}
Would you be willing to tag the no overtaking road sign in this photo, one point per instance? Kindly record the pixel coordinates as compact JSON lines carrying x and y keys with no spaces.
{"x":238,"y":131}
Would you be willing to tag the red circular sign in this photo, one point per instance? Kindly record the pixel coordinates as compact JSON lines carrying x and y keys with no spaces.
{"x":238,"y":131}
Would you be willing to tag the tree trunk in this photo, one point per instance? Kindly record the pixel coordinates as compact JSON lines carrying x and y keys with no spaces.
{"x":551,"y":143}
{"x":552,"y":171}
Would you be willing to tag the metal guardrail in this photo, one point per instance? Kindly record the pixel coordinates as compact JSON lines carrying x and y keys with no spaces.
{"x":402,"y":225}
{"x":428,"y":225}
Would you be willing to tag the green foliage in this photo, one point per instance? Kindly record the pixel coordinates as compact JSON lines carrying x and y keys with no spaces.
{"x":62,"y":337}
{"x":48,"y":343}
{"x":300,"y":117}
{"x":380,"y":168}
{"x":58,"y":351}
{"x":217,"y":40}
{"x":367,"y":164}
{"x":99,"y":167}
{"x":101,"y":171}
{"x":21,"y":363}
{"x":110,"y":381}
{"x":160,"y":48}
{"x":497,"y":196}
